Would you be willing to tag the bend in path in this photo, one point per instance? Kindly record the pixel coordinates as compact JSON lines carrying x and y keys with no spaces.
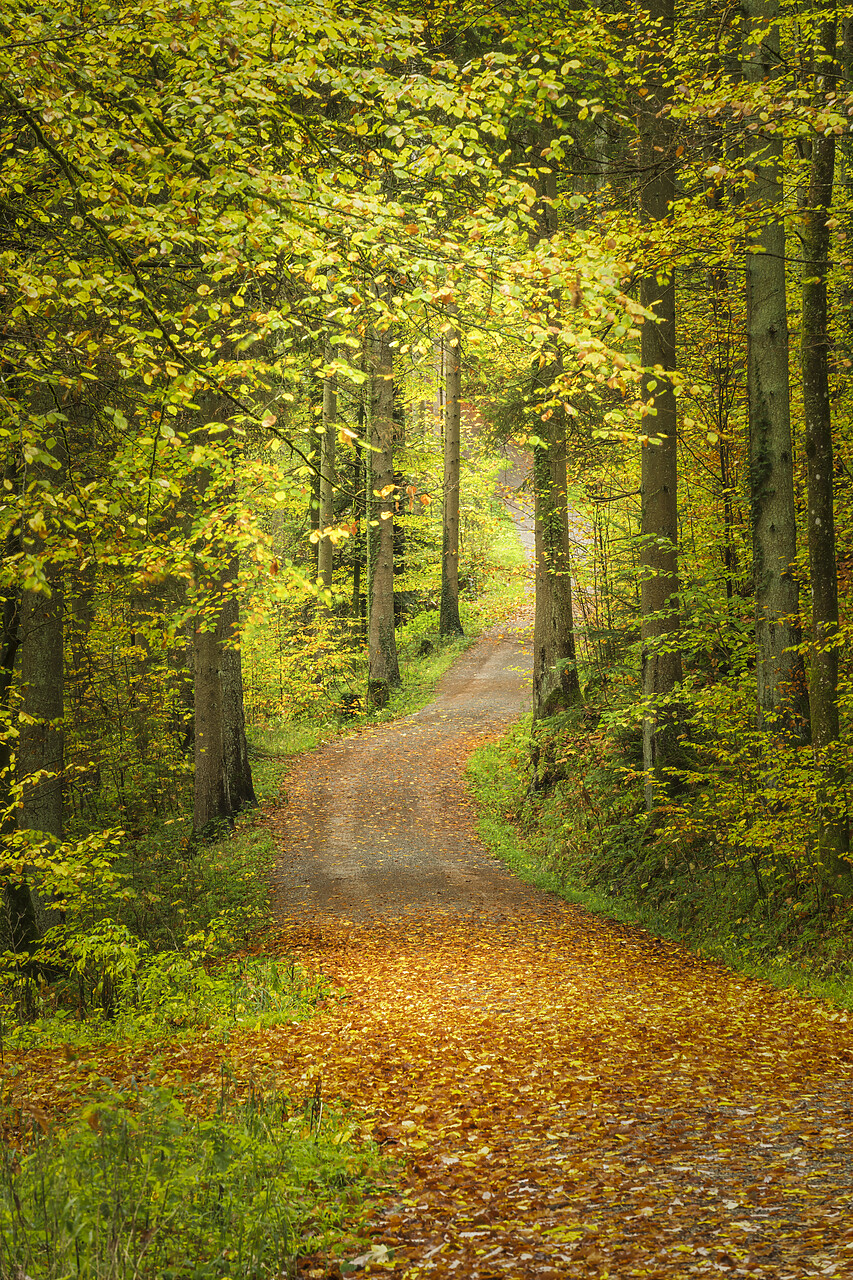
{"x":567,"y":1097}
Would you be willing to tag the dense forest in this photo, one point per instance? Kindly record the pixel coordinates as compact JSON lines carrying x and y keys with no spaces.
{"x":257,"y":260}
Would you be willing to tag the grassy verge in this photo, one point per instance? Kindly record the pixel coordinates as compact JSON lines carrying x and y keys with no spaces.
{"x":537,"y":837}
{"x":148,"y":1185}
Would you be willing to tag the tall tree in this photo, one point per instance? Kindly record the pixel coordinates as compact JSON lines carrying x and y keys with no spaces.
{"x":223,"y":778}
{"x":326,"y":513}
{"x":240,"y":787}
{"x":659,"y":463}
{"x":449,"y":623}
{"x":780,"y":673}
{"x":820,"y":454}
{"x":41,"y":736}
{"x":383,"y":667}
{"x":210,"y":794}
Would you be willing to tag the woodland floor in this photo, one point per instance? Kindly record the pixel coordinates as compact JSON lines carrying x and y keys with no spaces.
{"x":566,"y":1096}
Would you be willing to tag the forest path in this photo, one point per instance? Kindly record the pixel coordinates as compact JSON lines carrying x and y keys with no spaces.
{"x":568,"y":1097}
{"x":379,"y":824}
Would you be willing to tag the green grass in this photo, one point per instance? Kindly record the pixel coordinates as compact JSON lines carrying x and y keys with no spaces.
{"x":268,"y":745}
{"x":527,"y":836}
{"x":150,"y":1185}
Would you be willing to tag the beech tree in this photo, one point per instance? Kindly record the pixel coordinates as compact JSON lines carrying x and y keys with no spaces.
{"x":820,"y":452}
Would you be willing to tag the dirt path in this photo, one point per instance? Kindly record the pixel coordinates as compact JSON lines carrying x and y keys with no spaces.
{"x":379,"y":824}
{"x":567,"y":1097}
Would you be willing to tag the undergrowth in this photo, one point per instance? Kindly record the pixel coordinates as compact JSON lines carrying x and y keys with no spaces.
{"x":149,"y":1185}
{"x":576,"y":826}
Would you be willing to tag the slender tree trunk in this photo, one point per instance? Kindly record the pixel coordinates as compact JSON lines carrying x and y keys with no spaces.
{"x":383,"y":668}
{"x":659,"y":463}
{"x":223,"y":778}
{"x":326,"y":517}
{"x":449,"y":623}
{"x":211,"y":800}
{"x":823,"y":692}
{"x":556,"y":686}
{"x":780,"y":674}
{"x":239,"y":786}
{"x":360,"y":507}
{"x":19,"y":929}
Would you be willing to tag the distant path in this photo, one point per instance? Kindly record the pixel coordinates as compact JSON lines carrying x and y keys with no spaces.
{"x":379,"y":824}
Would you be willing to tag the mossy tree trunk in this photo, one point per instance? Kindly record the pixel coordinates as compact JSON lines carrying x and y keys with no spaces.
{"x":326,"y":515}
{"x":239,"y":785}
{"x":556,"y":686}
{"x":223,"y":777}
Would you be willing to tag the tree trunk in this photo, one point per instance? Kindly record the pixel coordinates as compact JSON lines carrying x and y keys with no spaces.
{"x":780,"y":674}
{"x":823,"y":692}
{"x":41,"y":746}
{"x":360,"y":506}
{"x":211,"y":801}
{"x":661,"y":660}
{"x":556,"y":686}
{"x":383,"y":668}
{"x":449,"y":623}
{"x":223,"y":778}
{"x":239,"y":786}
{"x":19,"y":929}
{"x":326,"y":516}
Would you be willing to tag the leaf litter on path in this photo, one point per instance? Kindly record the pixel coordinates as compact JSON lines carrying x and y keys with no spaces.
{"x":570,"y":1097}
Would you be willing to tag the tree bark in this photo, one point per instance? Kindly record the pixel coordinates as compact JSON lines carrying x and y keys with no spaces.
{"x":661,"y":657}
{"x":239,"y":785}
{"x":210,"y":793}
{"x":823,"y":692}
{"x":19,"y":929}
{"x":326,"y":518}
{"x":223,"y":778}
{"x":361,"y":471}
{"x":449,"y":622}
{"x":780,"y":674}
{"x":383,"y":667}
{"x":556,"y":686}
